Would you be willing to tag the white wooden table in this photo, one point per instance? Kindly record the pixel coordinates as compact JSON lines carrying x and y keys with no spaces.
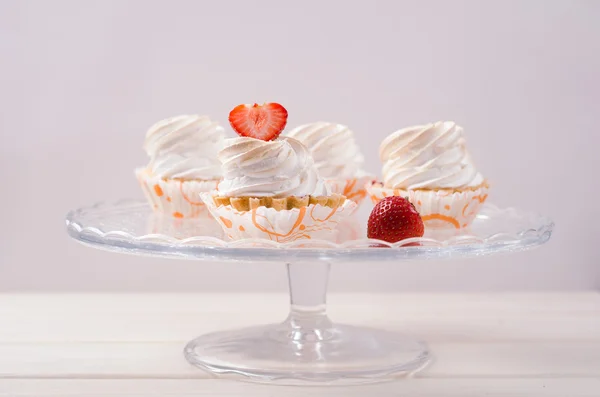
{"x":118,"y":344}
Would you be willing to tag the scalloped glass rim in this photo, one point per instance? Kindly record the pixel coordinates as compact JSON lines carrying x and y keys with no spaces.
{"x":525,"y":230}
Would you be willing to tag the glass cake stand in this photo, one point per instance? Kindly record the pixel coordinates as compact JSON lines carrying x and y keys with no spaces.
{"x":306,"y":347}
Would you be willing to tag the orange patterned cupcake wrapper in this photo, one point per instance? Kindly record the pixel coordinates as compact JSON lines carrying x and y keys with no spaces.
{"x":438,"y":208}
{"x":307,"y":222}
{"x":182,"y":228}
{"x":354,"y":189}
{"x":178,"y":199}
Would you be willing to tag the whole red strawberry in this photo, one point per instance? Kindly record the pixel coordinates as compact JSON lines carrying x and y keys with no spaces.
{"x":394,"y":219}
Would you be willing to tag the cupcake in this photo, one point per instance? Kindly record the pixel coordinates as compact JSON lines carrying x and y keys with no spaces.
{"x":337,"y":157}
{"x":430,"y":165}
{"x":183,"y":164}
{"x":271,"y":188}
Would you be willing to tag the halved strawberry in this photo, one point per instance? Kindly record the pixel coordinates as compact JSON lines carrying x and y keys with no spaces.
{"x":264,"y":121}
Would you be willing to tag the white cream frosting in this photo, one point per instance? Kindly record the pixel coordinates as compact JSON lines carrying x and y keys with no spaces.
{"x":431,"y":156}
{"x":279,"y":168}
{"x":336,"y":154}
{"x":185,"y":147}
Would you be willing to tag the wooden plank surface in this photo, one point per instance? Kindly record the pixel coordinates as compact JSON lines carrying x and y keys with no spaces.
{"x":460,"y":387}
{"x":164,"y":360}
{"x":120,"y":344}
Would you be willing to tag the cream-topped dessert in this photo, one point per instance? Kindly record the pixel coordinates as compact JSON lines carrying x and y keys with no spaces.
{"x":271,"y":186}
{"x":183,"y":163}
{"x":333,"y":148}
{"x":278,"y":168}
{"x":337,"y":156}
{"x":431,"y":165}
{"x":185,"y":147}
{"x":432,"y":156}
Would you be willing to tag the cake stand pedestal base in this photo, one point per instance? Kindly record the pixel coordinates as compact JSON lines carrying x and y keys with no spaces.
{"x":307,"y":347}
{"x":272,"y":354}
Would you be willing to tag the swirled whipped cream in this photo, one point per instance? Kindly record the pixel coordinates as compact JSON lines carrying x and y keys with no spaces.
{"x":431,"y":156}
{"x":185,"y":147}
{"x":279,"y":168}
{"x":333,"y":149}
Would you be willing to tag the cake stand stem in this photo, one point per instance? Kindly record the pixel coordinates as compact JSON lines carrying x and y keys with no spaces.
{"x":308,"y":319}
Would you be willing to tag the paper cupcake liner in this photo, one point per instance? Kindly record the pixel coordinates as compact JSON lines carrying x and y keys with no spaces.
{"x":179,"y":199}
{"x":351,"y":228}
{"x":353,"y":189}
{"x":314,"y":221}
{"x":182,"y":228}
{"x":445,"y":209}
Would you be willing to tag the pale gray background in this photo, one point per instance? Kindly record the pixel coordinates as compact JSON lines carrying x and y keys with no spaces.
{"x":81,"y":81}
